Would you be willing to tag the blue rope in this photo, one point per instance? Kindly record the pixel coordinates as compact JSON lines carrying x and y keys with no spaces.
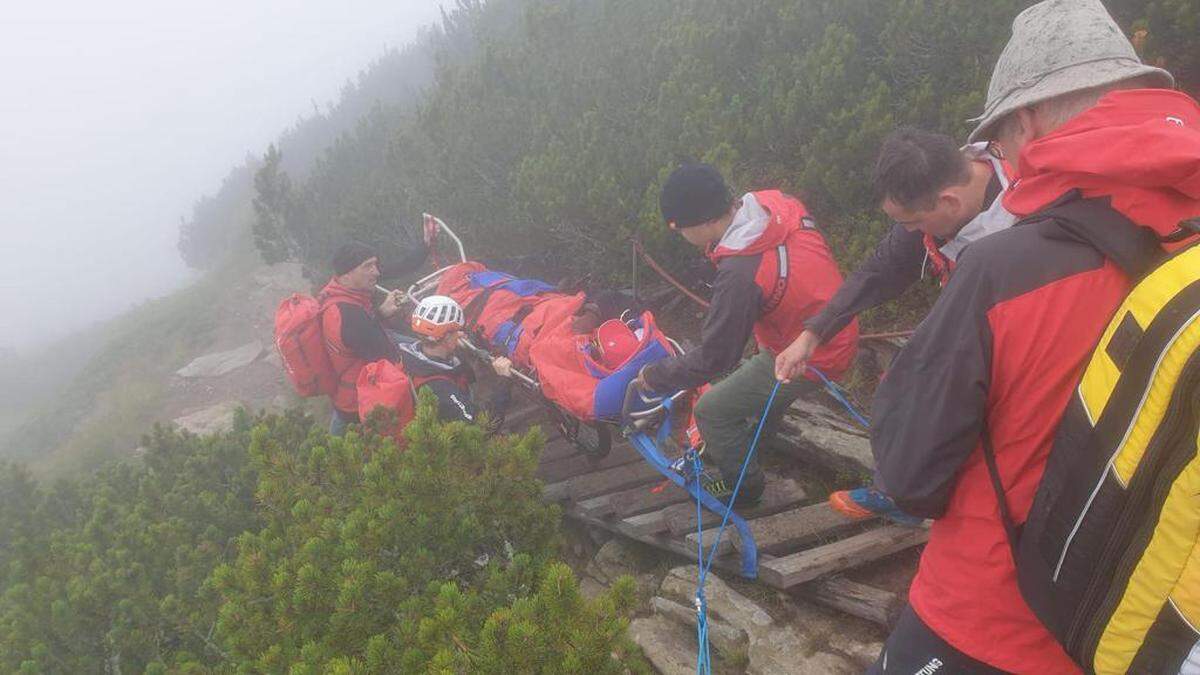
{"x":837,"y":393}
{"x":704,"y":660}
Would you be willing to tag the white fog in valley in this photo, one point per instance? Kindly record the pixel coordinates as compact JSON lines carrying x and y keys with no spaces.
{"x":117,"y":116}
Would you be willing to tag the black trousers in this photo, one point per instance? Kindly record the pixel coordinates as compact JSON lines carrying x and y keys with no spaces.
{"x":914,"y":649}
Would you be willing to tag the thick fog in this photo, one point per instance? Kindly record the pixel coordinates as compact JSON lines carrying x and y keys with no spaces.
{"x":116,"y":116}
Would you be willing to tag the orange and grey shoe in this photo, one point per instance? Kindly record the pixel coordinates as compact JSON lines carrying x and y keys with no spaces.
{"x":867,"y":503}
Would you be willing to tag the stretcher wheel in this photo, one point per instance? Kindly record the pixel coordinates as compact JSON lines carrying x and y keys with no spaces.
{"x":593,"y":439}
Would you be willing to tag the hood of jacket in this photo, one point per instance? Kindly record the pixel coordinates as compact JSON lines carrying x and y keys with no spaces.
{"x":419,"y":364}
{"x":760,"y":225}
{"x":1140,"y":148}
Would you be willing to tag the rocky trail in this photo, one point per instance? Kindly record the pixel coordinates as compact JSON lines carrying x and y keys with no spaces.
{"x":241,"y":368}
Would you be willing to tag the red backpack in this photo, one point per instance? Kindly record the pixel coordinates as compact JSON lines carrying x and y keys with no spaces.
{"x":300,"y":342}
{"x":383,"y":383}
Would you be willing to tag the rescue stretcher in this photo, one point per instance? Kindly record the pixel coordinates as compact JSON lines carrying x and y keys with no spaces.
{"x":587,"y":401}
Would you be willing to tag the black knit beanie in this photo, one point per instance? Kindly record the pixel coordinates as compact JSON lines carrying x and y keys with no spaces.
{"x":694,"y":194}
{"x":351,"y":255}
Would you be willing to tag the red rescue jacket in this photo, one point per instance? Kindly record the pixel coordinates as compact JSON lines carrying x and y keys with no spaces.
{"x":345,"y":364}
{"x":809,"y":278}
{"x":1003,"y":349}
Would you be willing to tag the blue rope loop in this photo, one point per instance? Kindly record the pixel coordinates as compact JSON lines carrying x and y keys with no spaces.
{"x":692,"y":457}
{"x":704,"y":657}
{"x":840,"y":396}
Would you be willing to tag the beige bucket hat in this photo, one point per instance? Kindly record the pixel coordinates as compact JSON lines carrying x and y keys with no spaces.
{"x":1057,"y":47}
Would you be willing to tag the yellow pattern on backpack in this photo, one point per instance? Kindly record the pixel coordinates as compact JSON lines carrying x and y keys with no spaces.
{"x":1169,"y":559}
{"x":1101,"y":375}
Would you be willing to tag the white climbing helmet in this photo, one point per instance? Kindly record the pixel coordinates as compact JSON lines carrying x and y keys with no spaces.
{"x":436,"y":316}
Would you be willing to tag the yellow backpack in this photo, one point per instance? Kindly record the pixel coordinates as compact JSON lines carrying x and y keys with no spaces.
{"x":1109,"y":557}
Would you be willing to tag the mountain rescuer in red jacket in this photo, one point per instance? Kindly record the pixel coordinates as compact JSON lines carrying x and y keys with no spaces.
{"x":352,"y":324}
{"x":1106,"y":166}
{"x":941,"y":198}
{"x":774,"y":271}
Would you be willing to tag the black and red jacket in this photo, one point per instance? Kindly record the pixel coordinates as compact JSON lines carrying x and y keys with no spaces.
{"x":449,"y":380}
{"x":1003,"y":348}
{"x":902,"y":258}
{"x":770,"y":234}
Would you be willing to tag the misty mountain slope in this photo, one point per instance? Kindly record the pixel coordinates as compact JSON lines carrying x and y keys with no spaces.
{"x":130,"y":382}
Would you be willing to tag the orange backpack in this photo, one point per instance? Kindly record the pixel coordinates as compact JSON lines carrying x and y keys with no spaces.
{"x":301,"y":345}
{"x":383,"y":383}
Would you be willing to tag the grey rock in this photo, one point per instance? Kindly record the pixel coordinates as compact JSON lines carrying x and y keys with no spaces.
{"x":724,"y":603}
{"x":590,"y":588}
{"x":670,"y":647}
{"x":618,"y":557}
{"x":784,"y":651}
{"x":826,"y":446}
{"x":801,"y":645}
{"x":220,"y":363}
{"x":211,"y":420}
{"x":725,"y":638}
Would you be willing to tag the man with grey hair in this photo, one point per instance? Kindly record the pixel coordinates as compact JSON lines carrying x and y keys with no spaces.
{"x":1107,"y":168}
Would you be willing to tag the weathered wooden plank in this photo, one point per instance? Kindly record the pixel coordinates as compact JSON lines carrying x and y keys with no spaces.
{"x":861,"y":600}
{"x":635,"y":501}
{"x":680,"y":519}
{"x":679,"y":547}
{"x":780,"y":494}
{"x":528,"y":415}
{"x":784,"y":532}
{"x":649,"y":524}
{"x":795,"y":569}
{"x":579,"y":488}
{"x":557,"y":470}
{"x":597,"y":507}
{"x":557,"y":447}
{"x":823,"y":445}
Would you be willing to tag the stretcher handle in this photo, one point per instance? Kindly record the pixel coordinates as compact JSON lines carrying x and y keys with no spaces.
{"x":632,"y":393}
{"x":442,"y":227}
{"x":483,"y":355}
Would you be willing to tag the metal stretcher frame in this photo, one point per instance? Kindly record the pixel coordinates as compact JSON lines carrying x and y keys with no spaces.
{"x":635,"y":423}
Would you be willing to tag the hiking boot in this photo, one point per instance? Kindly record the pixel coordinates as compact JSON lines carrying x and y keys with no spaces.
{"x":750,"y":493}
{"x":869,"y":502}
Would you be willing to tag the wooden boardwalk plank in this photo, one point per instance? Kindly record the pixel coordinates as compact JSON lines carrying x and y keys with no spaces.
{"x":785,"y":532}
{"x":557,"y":470}
{"x":517,"y":421}
{"x":858,"y":599}
{"x":635,"y":501}
{"x":579,"y":488}
{"x":781,"y":494}
{"x":861,"y":600}
{"x":793,"y":570}
{"x":557,"y":447}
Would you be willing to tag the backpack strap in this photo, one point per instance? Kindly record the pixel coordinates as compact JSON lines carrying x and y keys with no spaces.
{"x":779,"y":289}
{"x":418,"y":382}
{"x":989,"y":458}
{"x":1093,"y":221}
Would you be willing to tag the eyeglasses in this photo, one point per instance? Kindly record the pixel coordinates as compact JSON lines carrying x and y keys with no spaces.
{"x":993,"y":149}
